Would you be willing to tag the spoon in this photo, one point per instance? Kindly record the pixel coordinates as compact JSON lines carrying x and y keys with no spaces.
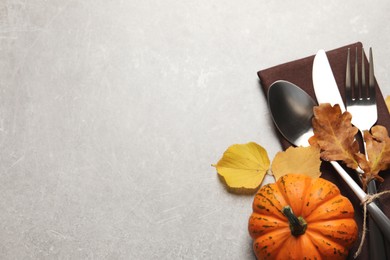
{"x":292,"y":111}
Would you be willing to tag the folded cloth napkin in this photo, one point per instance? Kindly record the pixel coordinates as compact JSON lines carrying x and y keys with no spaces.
{"x":299,"y":72}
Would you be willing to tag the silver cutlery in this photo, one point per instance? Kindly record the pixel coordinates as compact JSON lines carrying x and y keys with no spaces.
{"x":324,"y":83}
{"x":327,"y":91}
{"x":291,"y":110}
{"x":360,"y":101}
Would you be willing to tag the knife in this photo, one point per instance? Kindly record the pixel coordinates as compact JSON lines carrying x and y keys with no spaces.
{"x":325,"y":86}
{"x":327,"y":91}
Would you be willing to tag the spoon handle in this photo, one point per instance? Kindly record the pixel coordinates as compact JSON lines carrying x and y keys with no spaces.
{"x":351,"y":183}
{"x":377,"y":214}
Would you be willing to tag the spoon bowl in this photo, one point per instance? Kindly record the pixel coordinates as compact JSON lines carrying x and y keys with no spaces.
{"x":292,"y":111}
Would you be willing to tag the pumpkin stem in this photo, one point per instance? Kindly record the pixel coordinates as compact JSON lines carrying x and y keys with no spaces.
{"x":298,"y":225}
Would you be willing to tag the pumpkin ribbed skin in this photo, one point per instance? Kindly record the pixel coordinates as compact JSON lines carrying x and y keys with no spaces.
{"x":331,"y":228}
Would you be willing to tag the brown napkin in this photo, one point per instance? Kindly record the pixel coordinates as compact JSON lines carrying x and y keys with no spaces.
{"x":299,"y":72}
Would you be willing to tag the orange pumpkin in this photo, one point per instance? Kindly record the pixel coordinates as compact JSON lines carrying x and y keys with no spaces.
{"x":300,"y":217}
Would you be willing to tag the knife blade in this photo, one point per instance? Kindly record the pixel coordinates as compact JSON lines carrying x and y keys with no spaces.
{"x":327,"y":91}
{"x":325,"y":86}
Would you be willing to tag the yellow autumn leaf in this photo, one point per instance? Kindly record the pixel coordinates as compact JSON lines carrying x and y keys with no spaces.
{"x":387,"y":100}
{"x":243,"y":167}
{"x":303,"y":160}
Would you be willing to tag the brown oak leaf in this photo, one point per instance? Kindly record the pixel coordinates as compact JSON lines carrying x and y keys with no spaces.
{"x":335,"y":135}
{"x":378,"y":152}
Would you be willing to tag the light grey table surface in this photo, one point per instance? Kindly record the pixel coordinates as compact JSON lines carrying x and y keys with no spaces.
{"x":112,"y":112}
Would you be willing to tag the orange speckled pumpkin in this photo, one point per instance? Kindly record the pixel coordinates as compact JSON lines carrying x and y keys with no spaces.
{"x":299,"y":217}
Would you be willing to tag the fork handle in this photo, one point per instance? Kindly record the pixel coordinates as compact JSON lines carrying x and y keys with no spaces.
{"x":380,"y":218}
{"x":376,"y":242}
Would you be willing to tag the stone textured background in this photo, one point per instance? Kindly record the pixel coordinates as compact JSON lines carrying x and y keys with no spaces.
{"x":112,"y":112}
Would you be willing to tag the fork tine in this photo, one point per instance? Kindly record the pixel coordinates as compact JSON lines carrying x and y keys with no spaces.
{"x":356,"y":89}
{"x":356,"y":93}
{"x":348,"y":89}
{"x":371,"y":77}
{"x":364,"y":87}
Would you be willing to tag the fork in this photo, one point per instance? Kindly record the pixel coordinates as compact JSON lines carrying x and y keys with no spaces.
{"x":360,"y":98}
{"x":361,"y":103}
